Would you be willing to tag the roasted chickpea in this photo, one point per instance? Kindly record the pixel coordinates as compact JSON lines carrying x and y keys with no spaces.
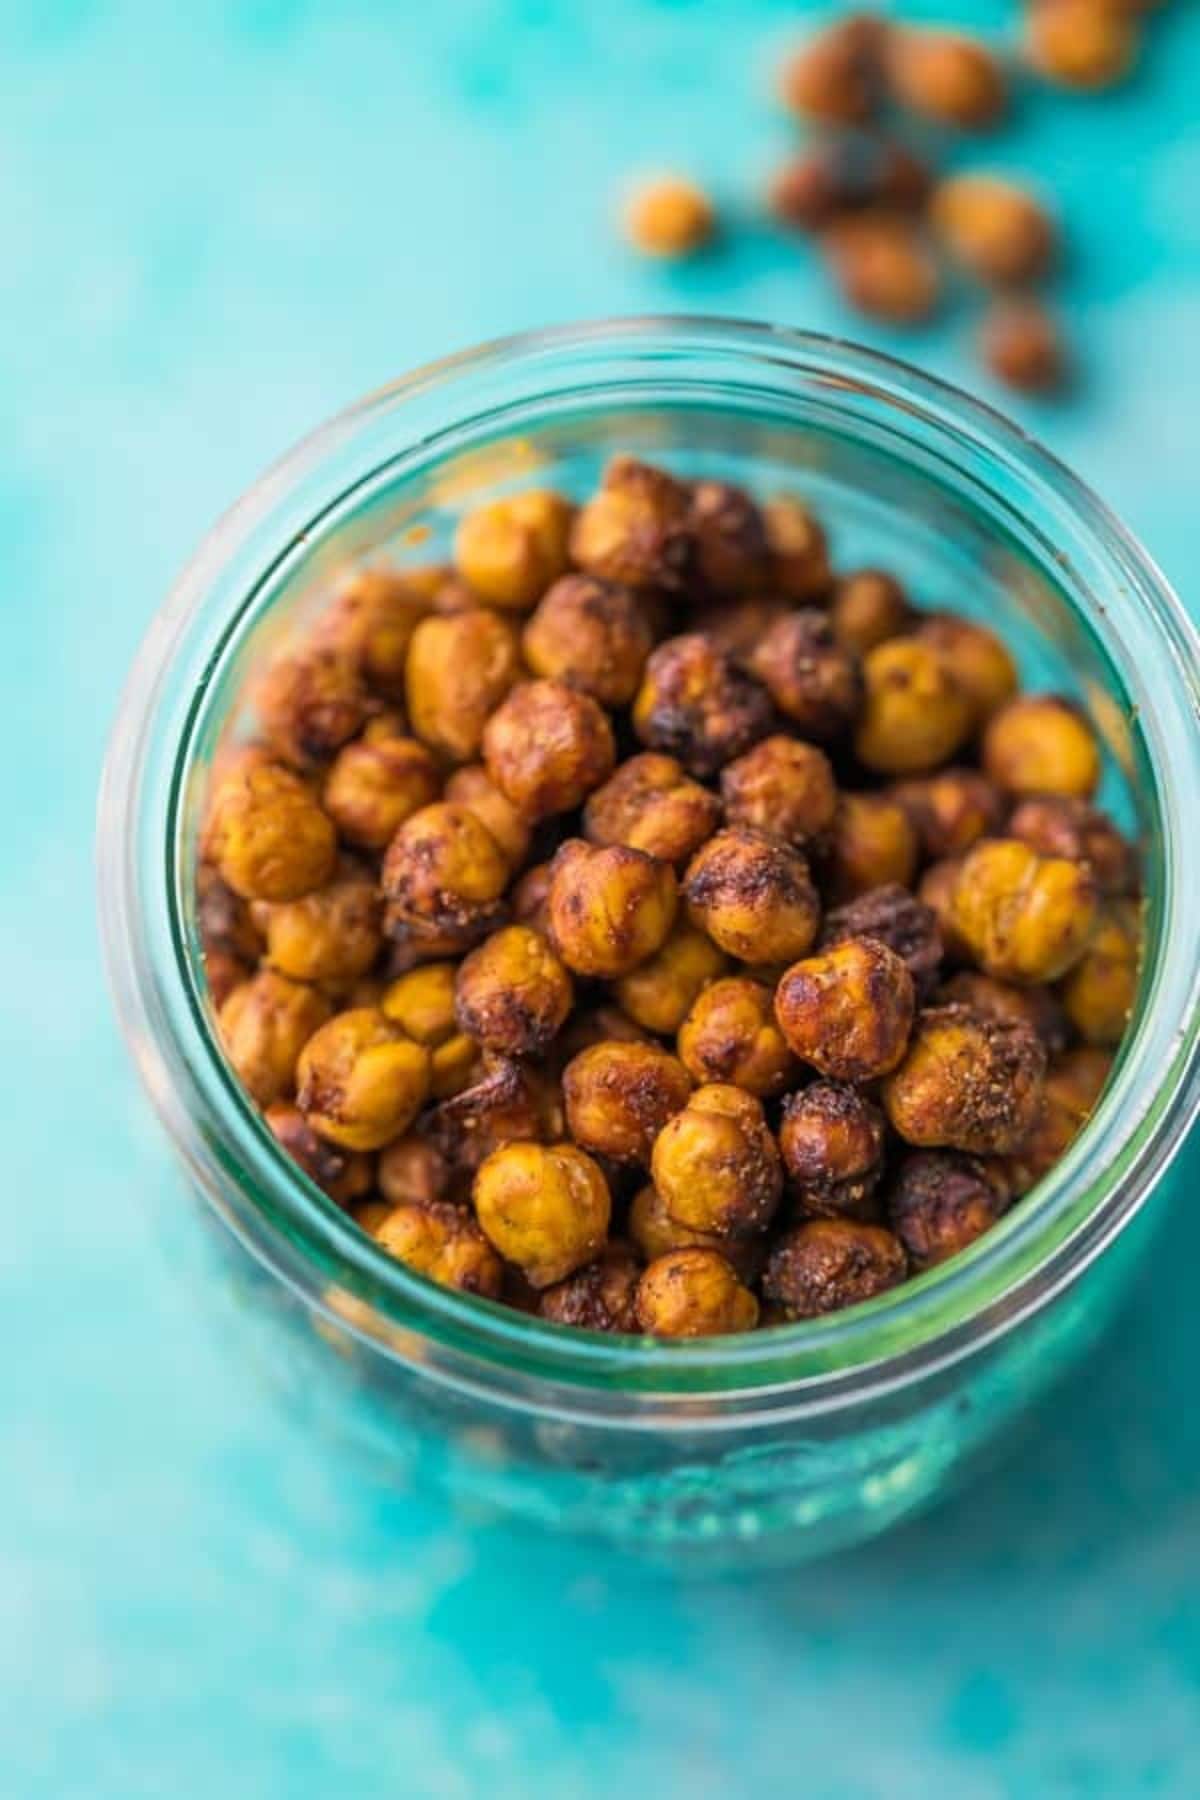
{"x":730,"y":1035}
{"x":873,"y":843}
{"x":1087,"y":45}
{"x":659,"y":993}
{"x":654,"y":1232}
{"x":831,"y":1141}
{"x":977,"y":658}
{"x":411,"y":1171}
{"x":1036,"y":1007}
{"x":1041,"y":744}
{"x":547,"y":746}
{"x":783,"y":787}
{"x":442,"y":1242}
{"x":442,"y":877}
{"x":696,"y":704}
{"x":331,"y":935}
{"x":753,"y":895}
{"x":995,"y":230}
{"x":915,"y":713}
{"x":460,"y":667}
{"x":619,"y":1096}
{"x":505,"y":1105}
{"x":360,"y":1081}
{"x":309,"y":705}
{"x":808,"y":675}
{"x":374,"y":786}
{"x":940,"y":1202}
{"x":372,"y":621}
{"x":849,"y":1010}
{"x":936,"y":889}
{"x":634,"y":530}
{"x":510,"y":550}
{"x":531,"y":896}
{"x":1023,"y":917}
{"x":513,"y":994}
{"x":598,"y":1025}
{"x":223,"y":919}
{"x":1073,"y":1084}
{"x":869,"y":606}
{"x":474,"y":788}
{"x":1057,"y":825}
{"x":969,"y":1081}
{"x":267,"y":834}
{"x":694,"y":1293}
{"x":341,"y":1174}
{"x":715,"y":1164}
{"x":1021,"y":345}
{"x":592,"y":634}
{"x":799,"y":550}
{"x":883,"y":266}
{"x":824,"y":1265}
{"x":843,"y":175}
{"x":650,"y":804}
{"x":599,"y":1297}
{"x":836,"y":77}
{"x":223,"y":971}
{"x":946,"y":77}
{"x":729,"y":538}
{"x":264,"y":1026}
{"x":735,"y":626}
{"x":951,"y":810}
{"x":896,"y":918}
{"x":669,"y":216}
{"x":1100,"y":990}
{"x":545,"y":1207}
{"x":609,"y":907}
{"x":421,"y":1003}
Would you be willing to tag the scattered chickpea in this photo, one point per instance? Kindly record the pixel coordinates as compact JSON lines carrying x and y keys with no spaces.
{"x":619,"y":1096}
{"x":994,"y":229}
{"x":873,"y":843}
{"x":343,"y":1175}
{"x":460,"y":667}
{"x":1088,"y":45}
{"x":1024,"y":917}
{"x":1022,"y":346}
{"x":728,"y":532}
{"x":1059,"y":825}
{"x":697,"y":704}
{"x":268,"y":835}
{"x":443,"y":1243}
{"x":884,"y":266}
{"x":602,"y":1296}
{"x":360,"y":1081}
{"x":650,"y":804}
{"x":824,"y":1265}
{"x":946,"y":77}
{"x":868,"y":607}
{"x":309,"y":705}
{"x":374,"y":786}
{"x":659,"y":993}
{"x":915,"y":713}
{"x":421,"y":1003}
{"x":669,"y":216}
{"x":331,"y":935}
{"x":715,"y":1164}
{"x":1042,"y":744}
{"x":264,"y":1025}
{"x":836,"y":77}
{"x":512,"y":993}
{"x":730,"y":1035}
{"x":968,"y":1081}
{"x":940,"y":1202}
{"x":634,"y":530}
{"x":799,"y":550}
{"x":474,"y":788}
{"x":593,"y":634}
{"x":1100,"y":990}
{"x":978,"y":659}
{"x":849,"y":1010}
{"x":544,"y":1207}
{"x":846,"y":174}
{"x":694,"y":1293}
{"x":808,"y":675}
{"x":753,"y":895}
{"x":951,"y":810}
{"x":508,"y":551}
{"x":831,"y":1140}
{"x":442,"y":878}
{"x":609,"y":907}
{"x":547,"y":746}
{"x":895,"y":917}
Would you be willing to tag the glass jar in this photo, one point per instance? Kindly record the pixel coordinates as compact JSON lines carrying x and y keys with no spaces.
{"x":793,"y":1439}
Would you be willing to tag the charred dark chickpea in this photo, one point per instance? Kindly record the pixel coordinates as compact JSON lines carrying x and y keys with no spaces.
{"x":309,"y":705}
{"x":547,"y":746}
{"x":715,"y":1164}
{"x":331,"y":935}
{"x":824,"y":1265}
{"x":873,"y":843}
{"x":264,"y":1026}
{"x":268,"y":835}
{"x":505,"y":1105}
{"x":372,"y":621}
{"x":609,"y":907}
{"x":730,"y":1035}
{"x":753,"y":895}
{"x":849,"y":1010}
{"x":896,"y":918}
{"x":977,"y":658}
{"x":734,"y":627}
{"x":659,"y":993}
{"x":884,"y":266}
{"x":460,"y":667}
{"x":836,"y":77}
{"x":831,"y":1141}
{"x":951,"y":809}
{"x":697,"y":704}
{"x":442,"y":878}
{"x":650,"y":804}
{"x":669,"y":216}
{"x":782,"y":786}
{"x":1036,"y":1007}
{"x":729,"y":538}
{"x":374,"y":786}
{"x":545,"y":1207}
{"x":360,"y":1080}
{"x":513,"y":994}
{"x":969,"y":1081}
{"x":994,"y":229}
{"x":421,"y":1003}
{"x":1041,"y":744}
{"x":599,"y":1297}
{"x":224,"y":921}
{"x":1023,"y":917}
{"x":940,"y":1202}
{"x":590,"y":633}
{"x":443,"y":1243}
{"x":946,"y":77}
{"x":1073,"y":1084}
{"x":799,"y":550}
{"x":844,"y":175}
{"x":654,"y":1232}
{"x":916,"y":713}
{"x":619,"y":1096}
{"x":869,"y":606}
{"x":343,"y":1175}
{"x":411,"y":1171}
{"x":811,"y":679}
{"x":693,"y":1293}
{"x":1100,"y":990}
{"x":634,"y":530}
{"x":1057,"y":825}
{"x":936,"y":889}
{"x":474,"y":788}
{"x":531,"y":897}
{"x":1022,"y":346}
{"x":508,"y":551}
{"x":1088,"y":45}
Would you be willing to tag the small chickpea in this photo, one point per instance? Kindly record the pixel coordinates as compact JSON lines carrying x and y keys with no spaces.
{"x":513,"y":994}
{"x":669,"y":216}
{"x":849,"y":1010}
{"x":411,"y":1171}
{"x":951,"y":809}
{"x":309,"y":705}
{"x":634,"y":530}
{"x":659,"y":993}
{"x":474,"y":788}
{"x":1100,"y":990}
{"x":869,"y":606}
{"x":697,"y":704}
{"x":729,"y":539}
{"x":977,"y":658}
{"x":811,"y":679}
{"x":799,"y":550}
{"x":460,"y":667}
{"x":895,"y":917}
{"x":694,"y":1293}
{"x":836,"y":77}
{"x":619,"y":1096}
{"x":650,"y":804}
{"x":510,"y":550}
{"x":267,"y":834}
{"x":824,"y":1265}
{"x":946,"y":77}
{"x":546,"y":747}
{"x":715,"y":1164}
{"x":599,"y":1297}
{"x":753,"y":895}
{"x":915,"y":714}
{"x":421,"y":1003}
{"x":831,"y":1141}
{"x":843,"y":175}
{"x":873,"y":843}
{"x":940,"y":1202}
{"x":969,"y":1081}
{"x":506,"y":1104}
{"x":1082,"y":44}
{"x":1042,"y":744}
{"x":994,"y":229}
{"x":1023,"y":917}
{"x":372,"y":620}
{"x":442,"y":1242}
{"x":531,"y":896}
{"x":341,"y":1174}
{"x":653,"y":1232}
{"x":1074,"y":1082}
{"x":360,"y":1081}
{"x":592,"y":634}
{"x":544,"y":1207}
{"x":609,"y":907}
{"x":1036,"y":1007}
{"x":264,"y":1025}
{"x":1022,"y":346}
{"x":443,"y":876}
{"x":374,"y":786}
{"x":781,"y":786}
{"x":1057,"y":825}
{"x":884,"y":266}
{"x":333,"y":934}
{"x":936,"y":890}
{"x":730,"y":1035}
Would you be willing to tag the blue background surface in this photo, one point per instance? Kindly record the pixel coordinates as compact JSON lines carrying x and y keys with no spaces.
{"x":221,"y":222}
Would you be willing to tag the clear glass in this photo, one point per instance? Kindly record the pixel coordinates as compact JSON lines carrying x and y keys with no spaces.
{"x":783,"y":1442}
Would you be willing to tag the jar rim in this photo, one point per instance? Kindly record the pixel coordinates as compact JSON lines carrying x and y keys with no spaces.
{"x":1038,"y":1248}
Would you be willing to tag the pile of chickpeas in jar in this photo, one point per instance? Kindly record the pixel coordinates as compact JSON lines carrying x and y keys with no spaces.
{"x":644,"y":925}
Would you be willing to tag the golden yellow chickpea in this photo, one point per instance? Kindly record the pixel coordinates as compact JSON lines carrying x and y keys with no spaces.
{"x":331,"y":935}
{"x":849,"y":1010}
{"x":374,"y":786}
{"x":715,"y":1164}
{"x":915,"y":713}
{"x":1023,"y":917}
{"x":1057,"y":825}
{"x":442,"y":877}
{"x":372,"y":621}
{"x":619,"y":1096}
{"x":1073,"y":1084}
{"x":951,"y":809}
{"x":609,"y":907}
{"x":809,"y":676}
{"x":936,"y":891}
{"x":634,"y":530}
{"x":474,"y":788}
{"x":513,"y":994}
{"x":782,"y":786}
{"x":696,"y":703}
{"x":1087,"y":45}
{"x":659,"y":993}
{"x":546,"y":747}
{"x":945,"y":76}
{"x":460,"y":667}
{"x":831,"y":1139}
{"x":824,"y":1265}
{"x":545,"y":1207}
{"x":442,"y":1242}
{"x":653,"y":1232}
{"x":729,"y":539}
{"x":1100,"y":990}
{"x":650,"y":804}
{"x":343,"y":1175}
{"x":669,"y":216}
{"x":264,"y":1025}
{"x":730,"y":1035}
{"x":799,"y":550}
{"x":411,"y":1171}
{"x":868,"y":607}
{"x":994,"y":229}
{"x":600,"y":1296}
{"x":753,"y":895}
{"x":268,"y":835}
{"x":941,"y":1202}
{"x":969,"y":1081}
{"x":873,"y":843}
{"x":421,"y":1003}
{"x":1042,"y":744}
{"x":694,"y":1293}
{"x":593,"y":634}
{"x":510,"y":550}
{"x":309,"y":705}
{"x":360,"y":1080}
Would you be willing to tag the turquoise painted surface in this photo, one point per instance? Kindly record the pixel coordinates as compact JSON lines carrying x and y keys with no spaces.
{"x":220,"y":223}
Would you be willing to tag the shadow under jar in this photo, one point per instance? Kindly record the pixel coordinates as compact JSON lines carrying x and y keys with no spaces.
{"x":764,"y":1446}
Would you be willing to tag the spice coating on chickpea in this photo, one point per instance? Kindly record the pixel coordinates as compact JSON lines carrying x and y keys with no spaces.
{"x":309,"y":705}
{"x":593,"y":634}
{"x":915,"y":713}
{"x":599,"y":1297}
{"x":969,"y":1081}
{"x":544,"y":1207}
{"x":609,"y":907}
{"x":799,"y":550}
{"x":753,"y":895}
{"x":1037,"y":1007}
{"x":659,"y":993}
{"x":343,"y":1175}
{"x":811,"y":679}
{"x":848,"y":1011}
{"x":1022,"y":346}
{"x":264,"y":1025}
{"x":715,"y":1164}
{"x":333,"y":934}
{"x":694,"y":1293}
{"x":1023,"y":917}
{"x":1100,"y":990}
{"x":547,"y":746}
{"x":836,"y":77}
{"x":730,"y":1035}
{"x":951,"y":810}
{"x":824,"y":1265}
{"x":695,"y":703}
{"x":267,"y":834}
{"x":474,"y":788}
{"x":873,"y":843}
{"x":650,"y":804}
{"x":669,"y":216}
{"x":513,"y":994}
{"x":896,"y":918}
{"x":374,"y":786}
{"x":979,"y":661}
{"x":1057,"y":825}
{"x":634,"y":530}
{"x":883,"y":266}
{"x":831,"y":1140}
{"x":443,"y":1243}
{"x":783,"y":787}
{"x":946,"y":77}
{"x":728,"y":532}
{"x":619,"y":1096}
{"x":940,"y":1202}
{"x":360,"y":1081}
{"x":509,"y":551}
{"x":868,"y":607}
{"x":995,"y":230}
{"x":442,"y":877}
{"x":1087,"y":45}
{"x":460,"y":667}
